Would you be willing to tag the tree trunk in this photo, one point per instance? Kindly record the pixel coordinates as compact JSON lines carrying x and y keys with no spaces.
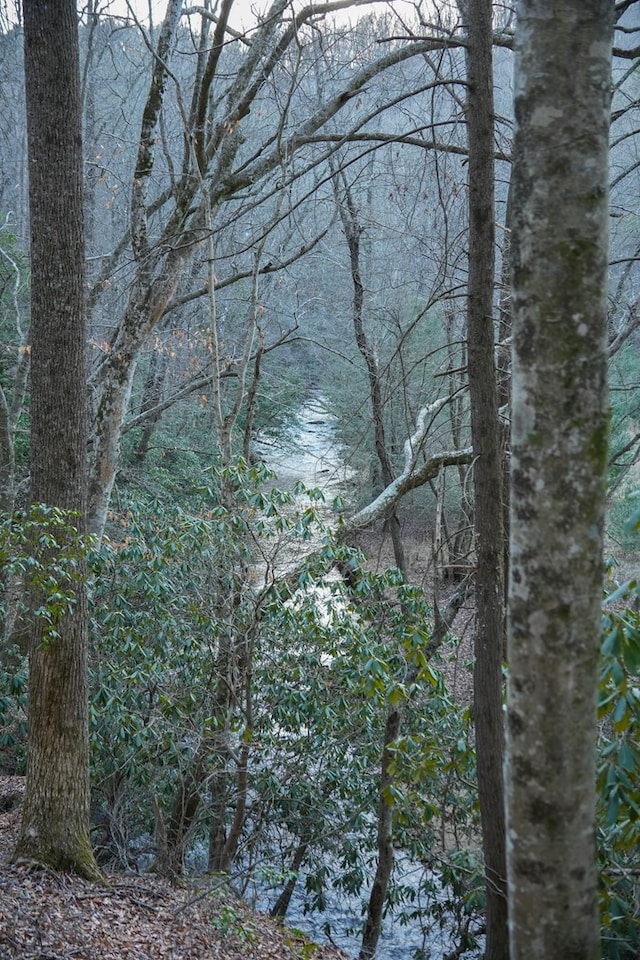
{"x":114,"y":382}
{"x":352,"y":231}
{"x":280,"y":907}
{"x":393,"y":724}
{"x":151,"y":398}
{"x":503,"y":364}
{"x":461,"y":540}
{"x":210,"y":769}
{"x":55,"y":819}
{"x":487,"y":474}
{"x":384,"y":868}
{"x":560,"y":434}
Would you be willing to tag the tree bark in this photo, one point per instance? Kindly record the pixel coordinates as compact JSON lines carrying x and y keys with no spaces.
{"x":151,"y":402}
{"x":415,"y":473}
{"x":487,"y":474}
{"x":55,"y":819}
{"x":352,"y":231}
{"x":560,"y":441}
{"x":280,"y":907}
{"x":384,"y":868}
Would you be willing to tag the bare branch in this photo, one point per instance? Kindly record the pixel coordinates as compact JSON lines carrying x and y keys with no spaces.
{"x":199,"y":383}
{"x":144,"y":162}
{"x":412,"y":476}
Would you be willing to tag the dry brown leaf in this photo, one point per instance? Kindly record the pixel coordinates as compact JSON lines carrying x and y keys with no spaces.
{"x":47,"y":916}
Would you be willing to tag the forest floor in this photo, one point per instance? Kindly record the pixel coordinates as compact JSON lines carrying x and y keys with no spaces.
{"x":53,"y":916}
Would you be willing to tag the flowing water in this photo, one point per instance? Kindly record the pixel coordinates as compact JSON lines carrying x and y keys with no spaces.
{"x":342,"y":921}
{"x":312,"y":455}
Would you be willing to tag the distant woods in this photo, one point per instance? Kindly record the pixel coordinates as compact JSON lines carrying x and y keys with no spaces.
{"x":318,"y":206}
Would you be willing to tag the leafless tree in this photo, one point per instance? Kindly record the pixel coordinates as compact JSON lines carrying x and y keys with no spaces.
{"x":55,"y":818}
{"x":560,"y":430}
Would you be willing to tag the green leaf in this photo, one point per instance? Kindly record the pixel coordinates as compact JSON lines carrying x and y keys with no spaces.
{"x":623,"y":590}
{"x":612,"y":644}
{"x":631,"y":651}
{"x":621,"y":715}
{"x":627,"y":757}
{"x":633,"y":523}
{"x":613,"y":806}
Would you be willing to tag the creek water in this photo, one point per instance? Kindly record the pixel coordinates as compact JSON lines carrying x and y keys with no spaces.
{"x":341,"y":922}
{"x":312,"y":454}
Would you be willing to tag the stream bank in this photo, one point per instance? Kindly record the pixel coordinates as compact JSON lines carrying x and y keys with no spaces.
{"x":312,"y":455}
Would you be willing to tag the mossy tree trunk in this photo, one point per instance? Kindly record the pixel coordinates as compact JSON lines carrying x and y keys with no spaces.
{"x":559,"y":458}
{"x":55,"y":820}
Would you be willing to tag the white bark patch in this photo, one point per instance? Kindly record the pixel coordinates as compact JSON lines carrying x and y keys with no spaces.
{"x":538,"y":622}
{"x":545,"y":115}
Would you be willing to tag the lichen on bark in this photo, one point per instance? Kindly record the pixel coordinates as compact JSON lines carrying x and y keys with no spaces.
{"x":559,"y":455}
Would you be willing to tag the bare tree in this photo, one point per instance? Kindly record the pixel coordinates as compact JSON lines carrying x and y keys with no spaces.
{"x":235,"y":162}
{"x":560,"y":431}
{"x":352,"y":231}
{"x":487,"y":471}
{"x":55,"y":818}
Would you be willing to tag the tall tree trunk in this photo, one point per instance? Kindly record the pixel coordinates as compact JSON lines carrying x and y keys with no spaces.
{"x":55,"y":819}
{"x":487,"y":473}
{"x":352,"y":232}
{"x":384,"y":868}
{"x":503,"y":364}
{"x":560,"y":434}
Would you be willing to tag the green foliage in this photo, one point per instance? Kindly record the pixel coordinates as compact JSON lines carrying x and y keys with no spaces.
{"x":13,"y":713}
{"x":619,"y":772}
{"x":147,"y":637}
{"x":172,"y":590}
{"x":165,"y":581}
{"x":43,"y":549}
{"x":41,"y":553}
{"x":320,"y":663}
{"x":230,"y":922}
{"x":182,"y":444}
{"x":298,"y":942}
{"x":329,"y":660}
{"x":355,"y":653}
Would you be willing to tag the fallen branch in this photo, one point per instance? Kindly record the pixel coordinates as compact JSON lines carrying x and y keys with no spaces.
{"x":413,"y":475}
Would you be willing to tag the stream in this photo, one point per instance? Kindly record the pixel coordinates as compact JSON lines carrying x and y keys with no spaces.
{"x":342,"y":920}
{"x":312,"y":455}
